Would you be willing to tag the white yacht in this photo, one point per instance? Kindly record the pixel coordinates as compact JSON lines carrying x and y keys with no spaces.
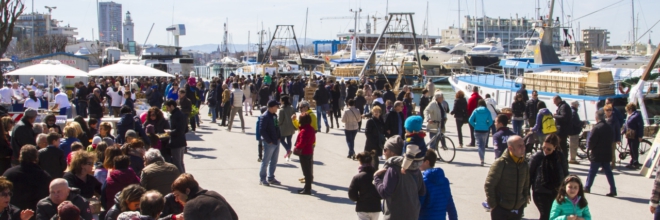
{"x":486,"y":54}
{"x":437,"y":55}
{"x":616,"y":61}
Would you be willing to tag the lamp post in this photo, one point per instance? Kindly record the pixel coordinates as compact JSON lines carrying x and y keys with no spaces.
{"x":50,"y":15}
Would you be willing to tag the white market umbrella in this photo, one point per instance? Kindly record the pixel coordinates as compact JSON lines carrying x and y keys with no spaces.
{"x":48,"y":68}
{"x":129,"y":69}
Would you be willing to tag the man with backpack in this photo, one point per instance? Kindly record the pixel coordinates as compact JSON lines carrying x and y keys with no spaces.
{"x":574,"y":134}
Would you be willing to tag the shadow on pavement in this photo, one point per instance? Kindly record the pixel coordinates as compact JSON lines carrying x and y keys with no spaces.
{"x":286,"y":165}
{"x":635,"y":200}
{"x":324,"y":197}
{"x":200,"y":149}
{"x":316,"y":163}
{"x":193,"y":137}
{"x":200,"y":156}
{"x":461,"y":164}
{"x":331,"y":187}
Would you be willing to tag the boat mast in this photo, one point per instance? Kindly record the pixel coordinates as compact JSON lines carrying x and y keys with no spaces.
{"x":460,"y":33}
{"x":475,"y":23}
{"x":305,"y":41}
{"x":634,"y":39}
{"x":353,"y":43}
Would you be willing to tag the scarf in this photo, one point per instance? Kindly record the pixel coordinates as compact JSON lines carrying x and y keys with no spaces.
{"x":517,"y":160}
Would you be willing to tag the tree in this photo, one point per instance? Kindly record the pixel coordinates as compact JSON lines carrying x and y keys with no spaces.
{"x":48,"y":44}
{"x":9,"y":12}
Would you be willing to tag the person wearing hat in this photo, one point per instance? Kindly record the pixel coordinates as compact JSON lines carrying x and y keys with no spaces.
{"x":400,"y":191}
{"x":61,"y":103}
{"x":270,"y":135}
{"x":23,"y":133}
{"x":415,"y":147}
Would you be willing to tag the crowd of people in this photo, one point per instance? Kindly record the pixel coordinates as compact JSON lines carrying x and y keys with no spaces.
{"x":82,"y":168}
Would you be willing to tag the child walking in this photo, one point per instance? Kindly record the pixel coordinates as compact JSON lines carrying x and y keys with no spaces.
{"x":570,"y":202}
{"x":414,"y":148}
{"x":362,"y":190}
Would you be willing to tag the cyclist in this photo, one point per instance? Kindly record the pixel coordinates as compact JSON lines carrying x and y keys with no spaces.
{"x":435,"y":115}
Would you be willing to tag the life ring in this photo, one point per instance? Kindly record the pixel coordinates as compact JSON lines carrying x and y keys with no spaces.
{"x":288,"y":68}
{"x":621,"y":90}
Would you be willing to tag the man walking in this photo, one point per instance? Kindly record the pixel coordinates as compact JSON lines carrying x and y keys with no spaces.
{"x":574,"y":135}
{"x":22,"y":133}
{"x":531,"y":109}
{"x":236,"y":99}
{"x":599,"y":143}
{"x":270,"y":135}
{"x":81,"y":95}
{"x":395,"y":120}
{"x":563,"y":122}
{"x":507,"y":183}
{"x":178,"y":123}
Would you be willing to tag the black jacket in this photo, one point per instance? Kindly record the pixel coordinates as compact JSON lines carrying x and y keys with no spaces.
{"x":363,"y":191}
{"x":186,"y":105}
{"x":159,"y":125}
{"x":30,"y":185}
{"x":599,"y":143}
{"x":460,"y":109}
{"x":10,"y":213}
{"x":373,"y":131}
{"x":351,"y":90}
{"x":87,"y":188}
{"x":211,"y":98}
{"x":82,"y":93}
{"x":22,"y":134}
{"x":172,"y":207}
{"x":53,"y":161}
{"x":178,"y":123}
{"x":518,"y":109}
{"x":155,"y":98}
{"x":392,"y":123}
{"x":206,"y":204}
{"x":46,"y":209}
{"x":547,"y":172}
{"x":389,"y":95}
{"x":563,"y":119}
{"x":400,"y":96}
{"x":531,"y":108}
{"x":95,"y":107}
{"x":321,"y":95}
{"x":576,"y":123}
{"x":524,"y":94}
{"x":264,"y":94}
{"x":423,"y":102}
{"x":360,"y":102}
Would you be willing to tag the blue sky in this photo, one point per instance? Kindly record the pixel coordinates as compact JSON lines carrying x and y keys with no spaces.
{"x":204,"y":18}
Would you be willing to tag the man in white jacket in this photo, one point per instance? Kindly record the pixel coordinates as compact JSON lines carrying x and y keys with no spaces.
{"x":236,"y":101}
{"x":491,"y":104}
{"x":435,"y":115}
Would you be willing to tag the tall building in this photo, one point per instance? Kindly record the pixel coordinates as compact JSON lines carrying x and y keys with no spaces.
{"x":512,"y":32}
{"x":595,"y":39}
{"x":128,"y":28}
{"x":41,"y":22}
{"x":110,"y":26}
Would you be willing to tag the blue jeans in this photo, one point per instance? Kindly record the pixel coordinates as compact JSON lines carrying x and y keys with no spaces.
{"x":481,"y":138}
{"x":214,"y":114}
{"x":350,"y":140}
{"x":295,"y":101}
{"x":286,"y":142}
{"x":657,"y":214}
{"x":320,"y":113}
{"x":66,"y":111}
{"x":271,"y":151}
{"x":593,"y":169}
{"x":517,"y":126}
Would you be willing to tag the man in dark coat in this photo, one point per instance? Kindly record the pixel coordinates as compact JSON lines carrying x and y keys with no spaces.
{"x":523,"y":91}
{"x":95,"y":104}
{"x":388,"y":95}
{"x":81,"y":95}
{"x":423,"y":102}
{"x":599,"y":144}
{"x":394,"y":121}
{"x":201,"y":203}
{"x":30,"y":181}
{"x":52,"y":158}
{"x":270,"y":136}
{"x":60,"y":192}
{"x":178,"y":123}
{"x":563,"y":122}
{"x":531,"y":109}
{"x":22,"y":134}
{"x":322,"y":98}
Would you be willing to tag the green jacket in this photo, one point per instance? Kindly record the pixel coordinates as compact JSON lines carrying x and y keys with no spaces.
{"x":566,"y":208}
{"x":507,"y":184}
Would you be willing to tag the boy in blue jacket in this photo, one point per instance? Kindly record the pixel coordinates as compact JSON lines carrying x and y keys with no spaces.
{"x":438,"y":201}
{"x":414,"y":147}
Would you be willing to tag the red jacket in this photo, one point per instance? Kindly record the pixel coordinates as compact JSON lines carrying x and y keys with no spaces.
{"x":306,"y":139}
{"x":472,"y":103}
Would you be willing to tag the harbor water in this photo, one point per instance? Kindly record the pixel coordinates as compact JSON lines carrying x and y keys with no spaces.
{"x":446,"y":90}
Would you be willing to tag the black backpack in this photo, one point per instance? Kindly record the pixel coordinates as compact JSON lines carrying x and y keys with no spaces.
{"x":576,"y":124}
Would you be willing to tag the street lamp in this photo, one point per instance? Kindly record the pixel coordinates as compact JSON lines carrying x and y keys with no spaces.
{"x":50,"y":9}
{"x":50,"y":14}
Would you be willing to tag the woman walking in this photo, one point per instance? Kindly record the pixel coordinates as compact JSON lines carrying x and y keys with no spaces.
{"x":247,"y":104}
{"x":335,"y":109}
{"x":407,"y":105}
{"x":360,"y":103}
{"x":286,"y":125}
{"x":351,"y":118}
{"x":546,"y":172}
{"x":375,"y":133}
{"x":305,"y":150}
{"x":518,"y":108}
{"x":616,"y":126}
{"x":460,"y":114}
{"x":634,"y":132}
{"x":362,"y":190}
{"x":481,"y":121}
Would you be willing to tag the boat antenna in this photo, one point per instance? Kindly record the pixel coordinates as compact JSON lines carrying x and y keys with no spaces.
{"x":149,"y":34}
{"x":305,"y":41}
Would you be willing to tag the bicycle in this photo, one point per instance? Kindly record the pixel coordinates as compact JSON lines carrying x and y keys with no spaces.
{"x":448,"y":149}
{"x":624,"y":150}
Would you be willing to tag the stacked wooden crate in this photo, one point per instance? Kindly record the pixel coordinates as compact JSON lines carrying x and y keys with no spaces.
{"x":556,"y":82}
{"x":599,"y":83}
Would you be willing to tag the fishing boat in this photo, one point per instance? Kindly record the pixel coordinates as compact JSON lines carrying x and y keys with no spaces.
{"x":550,"y":78}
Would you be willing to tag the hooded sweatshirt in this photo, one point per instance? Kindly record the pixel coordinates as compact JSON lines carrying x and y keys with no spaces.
{"x":401,"y":192}
{"x":117,"y":180}
{"x":438,"y":201}
{"x":481,"y":119}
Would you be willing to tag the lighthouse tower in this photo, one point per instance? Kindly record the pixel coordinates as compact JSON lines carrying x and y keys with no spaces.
{"x":128,"y":28}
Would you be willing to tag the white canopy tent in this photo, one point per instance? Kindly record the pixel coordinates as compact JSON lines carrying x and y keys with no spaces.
{"x":131,"y":69}
{"x":48,"y":68}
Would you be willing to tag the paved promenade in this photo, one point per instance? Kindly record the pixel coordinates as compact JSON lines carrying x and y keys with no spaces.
{"x":227,"y":163}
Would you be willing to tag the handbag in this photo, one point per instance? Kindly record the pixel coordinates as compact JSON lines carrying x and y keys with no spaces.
{"x":497,"y":112}
{"x":95,"y":205}
{"x":297,"y":151}
{"x":630,"y":134}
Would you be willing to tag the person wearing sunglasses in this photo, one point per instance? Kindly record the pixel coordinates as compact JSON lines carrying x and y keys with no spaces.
{"x":80,"y":174}
{"x":7,"y":209}
{"x":547,"y":169}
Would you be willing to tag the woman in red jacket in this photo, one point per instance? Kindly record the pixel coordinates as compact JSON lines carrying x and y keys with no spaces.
{"x":305,"y":150}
